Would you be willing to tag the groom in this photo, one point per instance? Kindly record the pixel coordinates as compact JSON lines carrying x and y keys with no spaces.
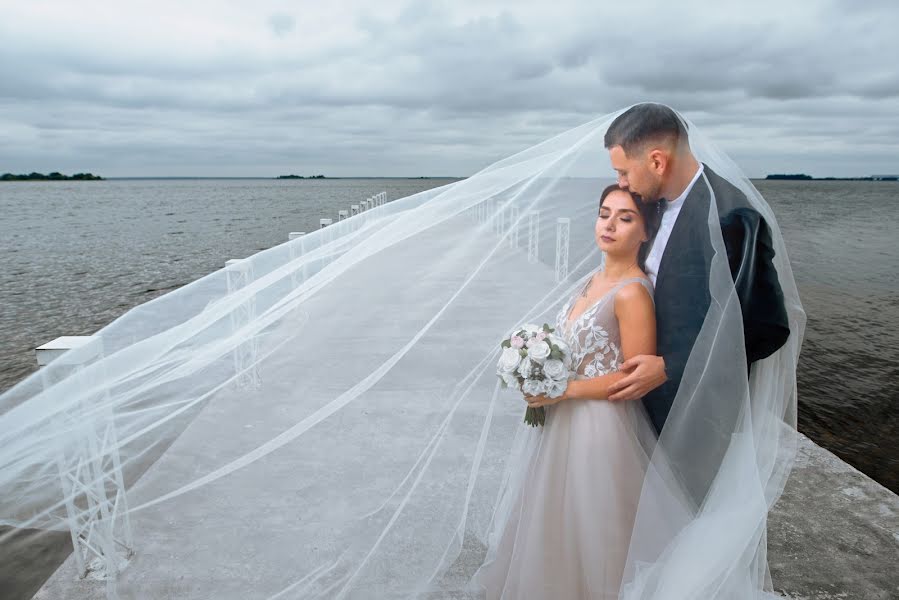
{"x":649,"y":149}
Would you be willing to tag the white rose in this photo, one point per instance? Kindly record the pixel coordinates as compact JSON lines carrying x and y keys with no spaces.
{"x":555,"y":389}
{"x":533,"y":387}
{"x":525,"y":367}
{"x":508,"y":361}
{"x":511,"y":380}
{"x":539,"y":352}
{"x":555,"y":369}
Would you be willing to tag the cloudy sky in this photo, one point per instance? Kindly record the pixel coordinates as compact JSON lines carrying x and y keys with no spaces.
{"x":409,"y":88}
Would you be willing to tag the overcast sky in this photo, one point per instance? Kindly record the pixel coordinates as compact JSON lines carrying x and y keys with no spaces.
{"x":409,"y":88}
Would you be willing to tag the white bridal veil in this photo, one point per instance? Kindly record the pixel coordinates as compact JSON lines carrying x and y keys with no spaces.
{"x":323,"y":419}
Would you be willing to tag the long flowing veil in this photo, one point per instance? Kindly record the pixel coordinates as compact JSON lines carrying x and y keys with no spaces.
{"x":323,"y":419}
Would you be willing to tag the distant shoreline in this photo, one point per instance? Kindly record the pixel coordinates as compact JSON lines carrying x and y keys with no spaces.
{"x":90,"y":177}
{"x":54,"y":176}
{"x":804,"y":177}
{"x":261,"y":178}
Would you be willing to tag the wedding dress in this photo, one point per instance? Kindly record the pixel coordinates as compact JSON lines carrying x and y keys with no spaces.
{"x":569,"y":531}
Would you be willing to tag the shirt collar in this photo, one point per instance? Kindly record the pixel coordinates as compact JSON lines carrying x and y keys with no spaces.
{"x":677,"y":202}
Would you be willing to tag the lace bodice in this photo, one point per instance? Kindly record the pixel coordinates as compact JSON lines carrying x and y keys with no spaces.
{"x":593,"y":336}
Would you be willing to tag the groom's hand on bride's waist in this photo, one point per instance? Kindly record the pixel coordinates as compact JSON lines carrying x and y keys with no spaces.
{"x":643,"y":374}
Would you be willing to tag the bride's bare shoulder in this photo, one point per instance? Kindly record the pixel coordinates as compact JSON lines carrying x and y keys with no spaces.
{"x":635,"y":294}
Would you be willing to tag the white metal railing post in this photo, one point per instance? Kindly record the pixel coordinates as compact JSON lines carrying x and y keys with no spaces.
{"x":533,"y":235}
{"x":563,"y":230}
{"x":240,"y":275}
{"x":514,"y":225}
{"x":296,"y":250}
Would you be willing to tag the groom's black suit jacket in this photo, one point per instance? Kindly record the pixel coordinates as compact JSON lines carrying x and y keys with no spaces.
{"x":682,"y":284}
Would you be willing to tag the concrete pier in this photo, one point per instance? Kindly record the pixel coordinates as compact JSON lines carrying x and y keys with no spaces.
{"x":834,"y":534}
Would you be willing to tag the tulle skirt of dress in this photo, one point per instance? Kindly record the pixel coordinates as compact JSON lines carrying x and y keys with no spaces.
{"x":568,"y":527}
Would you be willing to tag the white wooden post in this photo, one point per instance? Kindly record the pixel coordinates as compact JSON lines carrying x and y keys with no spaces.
{"x":354,"y":210}
{"x":342,"y":214}
{"x":322,"y":223}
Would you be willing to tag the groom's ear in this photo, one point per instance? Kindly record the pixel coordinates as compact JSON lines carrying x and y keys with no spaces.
{"x":658,"y":161}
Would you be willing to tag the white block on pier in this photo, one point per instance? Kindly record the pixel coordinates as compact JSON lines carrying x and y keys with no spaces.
{"x":53,"y":349}
{"x":295,"y":234}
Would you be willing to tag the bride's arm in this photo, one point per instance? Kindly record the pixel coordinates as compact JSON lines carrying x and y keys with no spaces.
{"x":637,"y":323}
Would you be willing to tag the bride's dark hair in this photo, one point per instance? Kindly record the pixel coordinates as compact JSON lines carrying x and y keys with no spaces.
{"x":651,"y":219}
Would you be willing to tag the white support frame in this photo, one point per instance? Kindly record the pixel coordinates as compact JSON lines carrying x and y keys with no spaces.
{"x":90,"y":473}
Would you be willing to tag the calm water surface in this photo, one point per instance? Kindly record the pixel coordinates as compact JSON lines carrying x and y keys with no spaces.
{"x":76,"y":255}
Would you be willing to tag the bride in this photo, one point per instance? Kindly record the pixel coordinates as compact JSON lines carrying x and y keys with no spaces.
{"x":568,"y":534}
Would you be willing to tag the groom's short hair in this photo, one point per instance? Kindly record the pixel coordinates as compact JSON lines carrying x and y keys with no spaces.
{"x":643,"y":124}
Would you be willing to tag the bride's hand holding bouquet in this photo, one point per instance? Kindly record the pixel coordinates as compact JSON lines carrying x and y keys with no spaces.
{"x":537,"y":363}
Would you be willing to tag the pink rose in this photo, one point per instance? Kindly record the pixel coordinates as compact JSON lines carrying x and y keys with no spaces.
{"x":541,"y":336}
{"x":517,"y":341}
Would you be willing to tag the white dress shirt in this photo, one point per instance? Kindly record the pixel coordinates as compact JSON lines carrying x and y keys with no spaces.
{"x":669,"y":217}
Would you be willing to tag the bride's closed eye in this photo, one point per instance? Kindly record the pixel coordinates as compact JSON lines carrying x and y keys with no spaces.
{"x":626,"y":219}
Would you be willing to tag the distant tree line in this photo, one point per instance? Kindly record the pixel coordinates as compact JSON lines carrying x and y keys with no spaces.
{"x":301,"y":177}
{"x":804,"y":177}
{"x":794,"y":176}
{"x":54,"y":176}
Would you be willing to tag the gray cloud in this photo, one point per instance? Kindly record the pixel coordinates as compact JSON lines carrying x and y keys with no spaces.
{"x":429,"y":88}
{"x":281,"y":24}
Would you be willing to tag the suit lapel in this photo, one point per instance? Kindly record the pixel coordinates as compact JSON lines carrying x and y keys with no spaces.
{"x":691,"y":216}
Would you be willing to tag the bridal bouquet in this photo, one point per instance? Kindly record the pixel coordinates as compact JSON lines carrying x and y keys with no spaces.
{"x":535,"y":362}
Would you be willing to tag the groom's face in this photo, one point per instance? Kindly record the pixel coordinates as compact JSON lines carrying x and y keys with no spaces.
{"x":635,"y":173}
